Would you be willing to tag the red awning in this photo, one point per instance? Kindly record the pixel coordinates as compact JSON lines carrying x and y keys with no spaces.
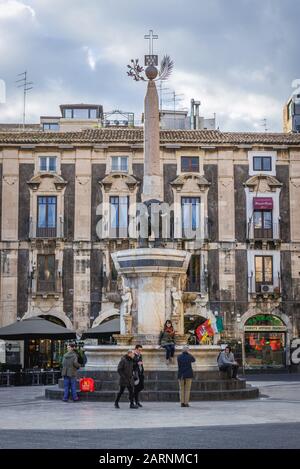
{"x":263,"y":203}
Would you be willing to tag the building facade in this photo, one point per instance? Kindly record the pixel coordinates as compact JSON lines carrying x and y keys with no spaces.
{"x":68,"y":200}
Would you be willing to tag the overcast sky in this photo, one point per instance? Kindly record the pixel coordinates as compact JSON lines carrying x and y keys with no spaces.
{"x":238,"y":57}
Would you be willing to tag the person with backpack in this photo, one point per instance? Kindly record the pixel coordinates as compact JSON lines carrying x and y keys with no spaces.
{"x":70,"y":366}
{"x":81,"y":356}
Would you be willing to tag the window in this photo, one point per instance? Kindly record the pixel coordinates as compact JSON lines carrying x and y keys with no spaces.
{"x":263,"y":271}
{"x":51,"y":126}
{"x":46,"y":225}
{"x":80,"y":113}
{"x":48,"y":163}
{"x":193,"y":274}
{"x":262,"y":163}
{"x":189,"y":164}
{"x":119,"y":163}
{"x":263,"y":226}
{"x":190,"y":207}
{"x":46,"y":273}
{"x":119,"y":216}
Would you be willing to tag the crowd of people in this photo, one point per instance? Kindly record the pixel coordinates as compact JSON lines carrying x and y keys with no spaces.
{"x":131,"y":369}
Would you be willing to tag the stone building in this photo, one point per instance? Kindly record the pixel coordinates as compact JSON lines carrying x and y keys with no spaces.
{"x":240,"y":190}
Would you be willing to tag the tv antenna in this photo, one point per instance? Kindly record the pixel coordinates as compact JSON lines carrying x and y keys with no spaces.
{"x":26,"y":85}
{"x":162,"y":90}
{"x":264,"y":124}
{"x":176,"y":97}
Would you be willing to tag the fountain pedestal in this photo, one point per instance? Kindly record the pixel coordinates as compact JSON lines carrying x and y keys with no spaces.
{"x":151,"y":278}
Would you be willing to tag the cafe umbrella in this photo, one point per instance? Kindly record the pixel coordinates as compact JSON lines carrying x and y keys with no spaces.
{"x":36,"y":332}
{"x":104,"y":329}
{"x":35,"y":328}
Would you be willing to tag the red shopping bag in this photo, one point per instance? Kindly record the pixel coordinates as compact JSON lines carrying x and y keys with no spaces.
{"x":87,"y":385}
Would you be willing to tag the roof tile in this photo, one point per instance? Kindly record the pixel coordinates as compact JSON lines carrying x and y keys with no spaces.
{"x":135,"y":135}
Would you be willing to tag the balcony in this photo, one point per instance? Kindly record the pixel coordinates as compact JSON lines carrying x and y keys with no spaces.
{"x":265,"y":290}
{"x":45,"y":286}
{"x":36,"y":232}
{"x":263,"y":234}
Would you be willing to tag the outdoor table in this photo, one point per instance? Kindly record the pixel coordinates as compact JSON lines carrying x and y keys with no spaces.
{"x":7,"y":375}
{"x":35,"y":377}
{"x":51,"y":376}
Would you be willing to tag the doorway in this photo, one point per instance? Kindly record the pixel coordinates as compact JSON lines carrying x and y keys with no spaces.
{"x":265,"y":342}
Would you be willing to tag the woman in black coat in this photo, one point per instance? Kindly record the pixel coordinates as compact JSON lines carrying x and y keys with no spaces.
{"x":125,"y":370}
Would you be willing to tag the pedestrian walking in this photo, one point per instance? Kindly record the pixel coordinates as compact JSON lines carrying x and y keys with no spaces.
{"x":185,"y":375}
{"x":138,"y":373}
{"x":167,"y":341}
{"x":226,"y":362}
{"x":70,"y":366}
{"x":125,"y":370}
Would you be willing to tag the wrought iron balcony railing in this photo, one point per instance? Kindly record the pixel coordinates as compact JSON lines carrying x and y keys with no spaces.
{"x":37,"y":232}
{"x":263,"y":234}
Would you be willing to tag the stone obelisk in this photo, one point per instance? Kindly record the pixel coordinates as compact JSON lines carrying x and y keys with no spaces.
{"x":152,"y":184}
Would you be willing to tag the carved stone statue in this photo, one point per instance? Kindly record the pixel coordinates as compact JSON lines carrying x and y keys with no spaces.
{"x":126,"y":306}
{"x":126,"y":302}
{"x":176,"y":300}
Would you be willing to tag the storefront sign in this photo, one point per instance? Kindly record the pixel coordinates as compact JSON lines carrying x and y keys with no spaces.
{"x":295,"y":351}
{"x":263,"y":203}
{"x":265,"y":328}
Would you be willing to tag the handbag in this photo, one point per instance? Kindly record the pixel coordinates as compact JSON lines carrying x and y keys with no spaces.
{"x":87,"y":385}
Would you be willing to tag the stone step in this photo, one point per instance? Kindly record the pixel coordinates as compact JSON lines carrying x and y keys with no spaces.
{"x":172,"y":385}
{"x":102,"y":375}
{"x":172,"y":396}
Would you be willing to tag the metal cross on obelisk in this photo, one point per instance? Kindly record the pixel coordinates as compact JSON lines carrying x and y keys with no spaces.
{"x":151,"y":36}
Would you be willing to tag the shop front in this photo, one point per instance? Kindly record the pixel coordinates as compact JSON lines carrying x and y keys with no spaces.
{"x":265,"y":339}
{"x":44,"y":353}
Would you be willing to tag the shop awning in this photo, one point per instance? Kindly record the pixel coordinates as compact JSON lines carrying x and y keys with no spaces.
{"x":35,"y":328}
{"x":108,"y":327}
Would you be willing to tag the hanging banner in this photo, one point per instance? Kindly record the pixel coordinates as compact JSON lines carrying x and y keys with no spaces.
{"x":263,"y":203}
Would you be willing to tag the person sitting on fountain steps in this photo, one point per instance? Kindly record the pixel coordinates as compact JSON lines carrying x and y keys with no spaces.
{"x":167,"y":341}
{"x":226,"y":362}
{"x":125,"y":370}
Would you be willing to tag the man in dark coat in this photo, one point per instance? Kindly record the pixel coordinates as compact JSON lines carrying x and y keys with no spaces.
{"x":70,"y":366}
{"x":138,"y":373}
{"x":185,"y":375}
{"x":125,"y":370}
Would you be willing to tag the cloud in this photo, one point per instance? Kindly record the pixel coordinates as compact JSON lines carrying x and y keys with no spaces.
{"x":238,"y":57}
{"x":90,"y":57}
{"x":12,"y":8}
